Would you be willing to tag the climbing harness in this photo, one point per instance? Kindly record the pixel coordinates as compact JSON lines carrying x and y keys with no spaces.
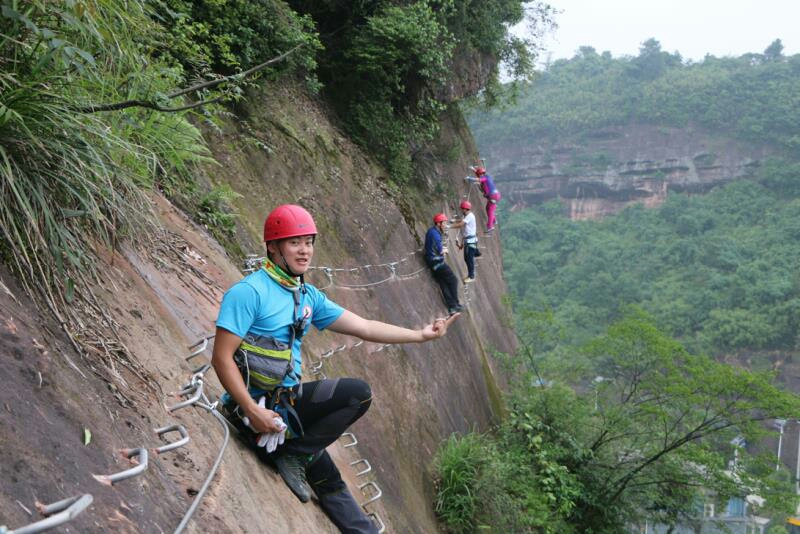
{"x":264,"y":361}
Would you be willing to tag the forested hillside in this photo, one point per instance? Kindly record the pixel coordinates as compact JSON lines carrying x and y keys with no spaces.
{"x":716,"y":271}
{"x":638,"y":327}
{"x":753,"y":97}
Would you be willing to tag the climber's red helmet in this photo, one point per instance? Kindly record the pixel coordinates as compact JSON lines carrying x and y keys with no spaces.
{"x":479,"y":171}
{"x":465,"y":205}
{"x":439,"y":217}
{"x":288,"y":220}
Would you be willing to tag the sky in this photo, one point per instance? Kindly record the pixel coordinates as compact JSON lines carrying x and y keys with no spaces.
{"x":691,"y":27}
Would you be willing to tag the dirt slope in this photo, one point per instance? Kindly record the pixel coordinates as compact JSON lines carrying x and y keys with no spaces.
{"x":163,"y":296}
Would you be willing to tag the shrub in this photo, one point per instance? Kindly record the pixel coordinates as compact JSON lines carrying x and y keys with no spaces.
{"x":458,"y":465}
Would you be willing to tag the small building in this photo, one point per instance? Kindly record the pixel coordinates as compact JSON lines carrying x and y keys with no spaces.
{"x":738,"y":517}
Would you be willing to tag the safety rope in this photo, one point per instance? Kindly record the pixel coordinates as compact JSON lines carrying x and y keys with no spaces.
{"x":197,"y":397}
{"x":213,"y":411}
{"x":252,"y":263}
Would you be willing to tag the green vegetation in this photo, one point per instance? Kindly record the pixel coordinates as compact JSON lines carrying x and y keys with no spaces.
{"x":227,"y":36}
{"x":386,"y":65}
{"x":100,"y":102}
{"x":622,"y":406}
{"x":753,"y":97}
{"x":717,"y":271}
{"x":73,"y":180}
{"x":629,"y":425}
{"x":212,"y":212}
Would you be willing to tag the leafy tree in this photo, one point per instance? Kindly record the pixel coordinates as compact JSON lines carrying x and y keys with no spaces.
{"x":226,"y":36}
{"x":631,"y":426}
{"x":387,"y":66}
{"x":774,"y":51}
{"x":652,"y":62}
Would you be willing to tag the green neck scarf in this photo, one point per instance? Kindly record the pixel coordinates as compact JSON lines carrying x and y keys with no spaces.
{"x":280,"y":276}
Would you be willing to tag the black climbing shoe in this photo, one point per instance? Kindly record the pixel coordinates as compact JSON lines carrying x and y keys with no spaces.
{"x":452,"y":310}
{"x":292,"y":469}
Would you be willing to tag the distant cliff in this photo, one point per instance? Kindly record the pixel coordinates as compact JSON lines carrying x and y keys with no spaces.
{"x":601,"y":172}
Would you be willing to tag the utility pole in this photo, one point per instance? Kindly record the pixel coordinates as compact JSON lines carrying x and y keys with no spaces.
{"x":797,"y":465}
{"x":738,"y":443}
{"x":779,"y":423}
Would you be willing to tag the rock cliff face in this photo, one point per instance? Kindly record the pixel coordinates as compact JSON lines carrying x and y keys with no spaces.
{"x":606,"y":170}
{"x":161,"y":297}
{"x":469,"y":69}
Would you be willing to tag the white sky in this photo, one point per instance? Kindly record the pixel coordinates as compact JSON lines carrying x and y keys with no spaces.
{"x":691,"y":27}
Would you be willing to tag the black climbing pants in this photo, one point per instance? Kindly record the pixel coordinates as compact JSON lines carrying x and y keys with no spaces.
{"x":336,"y":499}
{"x":326,"y":408}
{"x":469,"y":258}
{"x":448,"y":283}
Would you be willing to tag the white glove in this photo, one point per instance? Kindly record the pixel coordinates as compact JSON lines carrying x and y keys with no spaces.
{"x":268,"y":440}
{"x":271,"y":440}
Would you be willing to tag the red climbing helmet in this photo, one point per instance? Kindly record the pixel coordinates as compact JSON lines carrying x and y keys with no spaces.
{"x":480,"y":171}
{"x":288,"y":220}
{"x":439,"y":217}
{"x":465,"y":205}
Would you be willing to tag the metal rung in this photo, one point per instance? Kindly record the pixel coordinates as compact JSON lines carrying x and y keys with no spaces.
{"x":376,"y":519}
{"x":200,"y":372}
{"x":139,"y":453}
{"x":351,"y":436}
{"x":373,"y":498}
{"x":364,"y":471}
{"x":56,"y":514}
{"x":196,"y":390}
{"x":203,"y":344}
{"x":175,"y":444}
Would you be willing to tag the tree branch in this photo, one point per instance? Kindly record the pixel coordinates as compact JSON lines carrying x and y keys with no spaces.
{"x":243,"y":74}
{"x":180,"y":92}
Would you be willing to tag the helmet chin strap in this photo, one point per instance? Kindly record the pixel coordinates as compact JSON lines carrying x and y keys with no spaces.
{"x":289,"y":271}
{"x":286,"y":265}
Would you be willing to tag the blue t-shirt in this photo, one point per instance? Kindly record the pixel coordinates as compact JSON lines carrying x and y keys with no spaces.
{"x":257,"y":304}
{"x":433,"y":245}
